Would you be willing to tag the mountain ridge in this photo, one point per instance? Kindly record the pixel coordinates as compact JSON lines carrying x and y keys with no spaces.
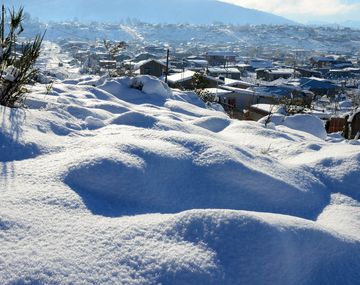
{"x":159,"y":11}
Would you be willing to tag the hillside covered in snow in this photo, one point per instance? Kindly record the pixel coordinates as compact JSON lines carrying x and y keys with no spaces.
{"x":125,"y":181}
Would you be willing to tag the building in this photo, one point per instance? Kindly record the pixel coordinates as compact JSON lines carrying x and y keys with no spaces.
{"x":220,"y":58}
{"x":151,"y":67}
{"x":184,"y":80}
{"x":272,"y":74}
{"x":318,"y":86}
{"x":231,"y":72}
{"x":107,"y":64}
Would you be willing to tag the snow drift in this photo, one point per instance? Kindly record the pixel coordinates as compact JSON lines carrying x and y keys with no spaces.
{"x":111,"y":181}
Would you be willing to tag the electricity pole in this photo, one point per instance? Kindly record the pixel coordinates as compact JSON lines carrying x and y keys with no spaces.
{"x":167,"y":66}
{"x":2,"y":23}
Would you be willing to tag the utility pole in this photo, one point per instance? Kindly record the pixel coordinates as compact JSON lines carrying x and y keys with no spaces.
{"x":167,"y":66}
{"x":2,"y":23}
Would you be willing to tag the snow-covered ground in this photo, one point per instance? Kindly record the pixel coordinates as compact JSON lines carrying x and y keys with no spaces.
{"x":102,"y":183}
{"x":54,"y":63}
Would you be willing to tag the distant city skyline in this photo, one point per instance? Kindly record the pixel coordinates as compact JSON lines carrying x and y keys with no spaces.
{"x":304,"y":11}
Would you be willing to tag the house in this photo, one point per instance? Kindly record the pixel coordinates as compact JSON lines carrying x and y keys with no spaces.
{"x":153,"y":49}
{"x":196,"y":63}
{"x":231,"y":72}
{"x":330,"y":62}
{"x":184,"y":80}
{"x":244,"y":68}
{"x":352,"y":125}
{"x":274,"y":94}
{"x":260,"y":63}
{"x":144,"y":56}
{"x":305,"y":72}
{"x":151,"y":67}
{"x":257,"y":111}
{"x":107,"y":64}
{"x":346,"y":73}
{"x":318,"y":86}
{"x":272,"y":74}
{"x":234,"y":100}
{"x":322,"y":61}
{"x":220,"y":58}
{"x":236,"y":83}
{"x":334,"y":125}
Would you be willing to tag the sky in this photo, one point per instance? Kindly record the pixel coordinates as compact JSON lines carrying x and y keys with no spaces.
{"x":305,"y":11}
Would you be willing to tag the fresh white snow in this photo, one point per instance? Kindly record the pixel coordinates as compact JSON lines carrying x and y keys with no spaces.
{"x":104,"y":183}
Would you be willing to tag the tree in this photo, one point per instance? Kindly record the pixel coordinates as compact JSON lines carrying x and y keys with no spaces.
{"x":199,"y":83}
{"x":17,"y":70}
{"x":114,"y":49}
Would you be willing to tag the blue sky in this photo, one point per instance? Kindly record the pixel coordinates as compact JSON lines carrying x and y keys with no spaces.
{"x":307,"y":10}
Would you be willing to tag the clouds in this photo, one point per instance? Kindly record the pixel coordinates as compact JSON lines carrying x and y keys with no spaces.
{"x":297,"y":8}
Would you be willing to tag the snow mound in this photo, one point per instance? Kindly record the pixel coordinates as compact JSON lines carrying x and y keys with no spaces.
{"x":151,"y":85}
{"x":301,"y":122}
{"x":340,"y":174}
{"x":214,"y":124}
{"x":138,"y":89}
{"x":135,"y":119}
{"x":251,"y":247}
{"x":14,"y":149}
{"x":308,"y":124}
{"x":156,"y":169}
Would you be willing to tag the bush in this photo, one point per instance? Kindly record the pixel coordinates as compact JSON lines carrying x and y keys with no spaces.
{"x":17,"y":70}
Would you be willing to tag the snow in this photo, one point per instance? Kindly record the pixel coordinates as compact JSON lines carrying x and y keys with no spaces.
{"x":125,"y":181}
{"x":182,"y":76}
{"x":301,"y":122}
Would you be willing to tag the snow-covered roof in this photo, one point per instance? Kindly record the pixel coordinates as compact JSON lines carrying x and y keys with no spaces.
{"x":182,"y":76}
{"x":232,"y":82}
{"x":218,"y":91}
{"x":221,"y":53}
{"x":269,"y":108}
{"x":281,"y":71}
{"x":323,"y":59}
{"x":240,"y":91}
{"x":223,"y":70}
{"x":143,"y":62}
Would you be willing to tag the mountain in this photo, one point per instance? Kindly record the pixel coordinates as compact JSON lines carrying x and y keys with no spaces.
{"x":155,"y":11}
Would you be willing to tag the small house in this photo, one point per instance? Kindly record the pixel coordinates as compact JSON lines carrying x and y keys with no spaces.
{"x":184,"y":80}
{"x":318,"y":86}
{"x":220,"y":58}
{"x":322,"y":61}
{"x":272,"y":74}
{"x":257,"y":111}
{"x":151,"y":67}
{"x":231,"y":72}
{"x":107,"y":64}
{"x":260,"y":63}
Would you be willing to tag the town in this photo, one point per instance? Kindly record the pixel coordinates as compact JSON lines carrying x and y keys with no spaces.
{"x":252,"y":78}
